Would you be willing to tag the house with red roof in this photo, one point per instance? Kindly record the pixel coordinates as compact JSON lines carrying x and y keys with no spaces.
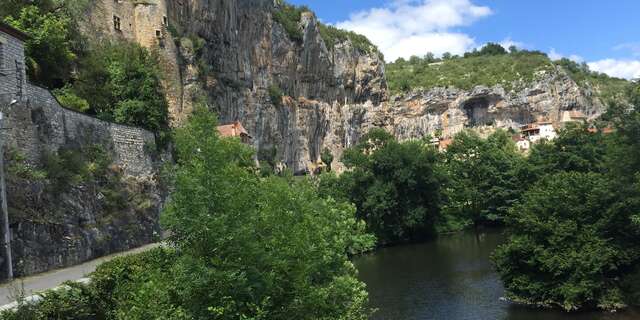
{"x":235,"y":129}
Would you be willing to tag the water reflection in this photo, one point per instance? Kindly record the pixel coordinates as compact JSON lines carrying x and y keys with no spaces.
{"x":450,"y":278}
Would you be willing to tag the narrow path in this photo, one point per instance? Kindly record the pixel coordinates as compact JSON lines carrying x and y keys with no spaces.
{"x":41,"y":282}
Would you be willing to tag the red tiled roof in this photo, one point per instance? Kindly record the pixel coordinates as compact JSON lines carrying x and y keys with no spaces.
{"x":232,"y":130}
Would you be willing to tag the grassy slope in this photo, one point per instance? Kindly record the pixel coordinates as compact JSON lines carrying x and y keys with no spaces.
{"x":512,"y":71}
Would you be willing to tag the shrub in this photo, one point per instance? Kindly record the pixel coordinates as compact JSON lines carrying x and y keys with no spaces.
{"x":275,"y":94}
{"x":49,"y":53}
{"x":73,"y":302}
{"x":327,"y":158}
{"x":332,"y":36}
{"x":69,"y":99}
{"x":288,"y":16}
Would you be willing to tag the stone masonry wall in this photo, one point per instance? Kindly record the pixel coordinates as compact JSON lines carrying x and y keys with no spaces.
{"x":13,"y":51}
{"x":57,"y":226}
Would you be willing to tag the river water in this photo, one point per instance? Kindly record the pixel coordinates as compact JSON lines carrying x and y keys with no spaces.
{"x":450,"y":278}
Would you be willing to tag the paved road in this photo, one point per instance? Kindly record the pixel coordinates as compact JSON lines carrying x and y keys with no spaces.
{"x":41,"y":282}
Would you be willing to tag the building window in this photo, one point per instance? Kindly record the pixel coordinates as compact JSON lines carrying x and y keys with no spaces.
{"x":158,"y":34}
{"x":116,"y":23}
{"x":165,"y":21}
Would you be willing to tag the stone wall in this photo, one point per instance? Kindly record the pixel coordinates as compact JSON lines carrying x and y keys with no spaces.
{"x":12,"y":69}
{"x":61,"y":225}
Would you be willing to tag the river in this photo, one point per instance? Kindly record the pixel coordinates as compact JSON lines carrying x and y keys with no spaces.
{"x":449,"y":278}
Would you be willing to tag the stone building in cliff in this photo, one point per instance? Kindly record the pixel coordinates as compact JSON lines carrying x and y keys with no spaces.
{"x":147,"y":24}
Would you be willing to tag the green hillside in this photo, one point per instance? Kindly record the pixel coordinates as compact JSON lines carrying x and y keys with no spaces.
{"x":493,"y":65}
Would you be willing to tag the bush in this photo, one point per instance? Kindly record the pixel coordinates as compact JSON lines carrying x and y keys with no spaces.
{"x":332,"y":36}
{"x":75,"y":302}
{"x":49,"y":53}
{"x":327,"y":158}
{"x":69,"y":99}
{"x":276,"y":94}
{"x":288,"y":17}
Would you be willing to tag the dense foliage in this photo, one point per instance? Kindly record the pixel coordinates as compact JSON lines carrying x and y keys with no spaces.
{"x":119,"y":82}
{"x":574,"y":238}
{"x":488,"y":67}
{"x":49,"y":50}
{"x":123,"y":83}
{"x":245,"y":247}
{"x":487,"y":176}
{"x":395,"y":186}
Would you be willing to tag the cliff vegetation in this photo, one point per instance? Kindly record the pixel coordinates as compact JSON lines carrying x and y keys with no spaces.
{"x":289,"y":17}
{"x":493,"y":65}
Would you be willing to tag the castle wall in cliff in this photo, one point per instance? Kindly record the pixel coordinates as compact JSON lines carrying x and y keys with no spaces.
{"x":56,"y":225}
{"x":145,"y":23}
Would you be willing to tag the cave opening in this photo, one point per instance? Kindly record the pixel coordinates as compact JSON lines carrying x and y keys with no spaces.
{"x":477,"y":111}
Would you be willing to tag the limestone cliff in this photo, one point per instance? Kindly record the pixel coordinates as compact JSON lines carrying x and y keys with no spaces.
{"x":332,"y":93}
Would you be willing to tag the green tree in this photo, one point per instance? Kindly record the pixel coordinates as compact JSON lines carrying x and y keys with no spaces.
{"x":395,"y":186}
{"x":575,"y":149}
{"x":257,"y":248}
{"x":486,"y":177}
{"x":560,"y":251}
{"x":123,"y":82}
{"x":49,"y":49}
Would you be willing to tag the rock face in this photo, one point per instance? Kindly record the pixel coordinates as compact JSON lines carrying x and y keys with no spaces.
{"x":331,"y":95}
{"x":78,"y":187}
{"x":448,"y":111}
{"x":248,"y":52}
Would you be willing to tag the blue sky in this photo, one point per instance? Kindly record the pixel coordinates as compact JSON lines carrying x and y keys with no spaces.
{"x":605,"y":34}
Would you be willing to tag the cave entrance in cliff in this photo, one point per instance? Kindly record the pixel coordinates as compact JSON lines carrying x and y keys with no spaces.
{"x":477,"y":111}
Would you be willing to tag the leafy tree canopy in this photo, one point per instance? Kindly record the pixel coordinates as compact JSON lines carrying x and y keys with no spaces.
{"x":395,"y":186}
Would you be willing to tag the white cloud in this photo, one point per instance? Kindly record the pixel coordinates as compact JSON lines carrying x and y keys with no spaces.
{"x":633,"y":47}
{"x":628,"y":69}
{"x":555,"y":55}
{"x":415,"y":27}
